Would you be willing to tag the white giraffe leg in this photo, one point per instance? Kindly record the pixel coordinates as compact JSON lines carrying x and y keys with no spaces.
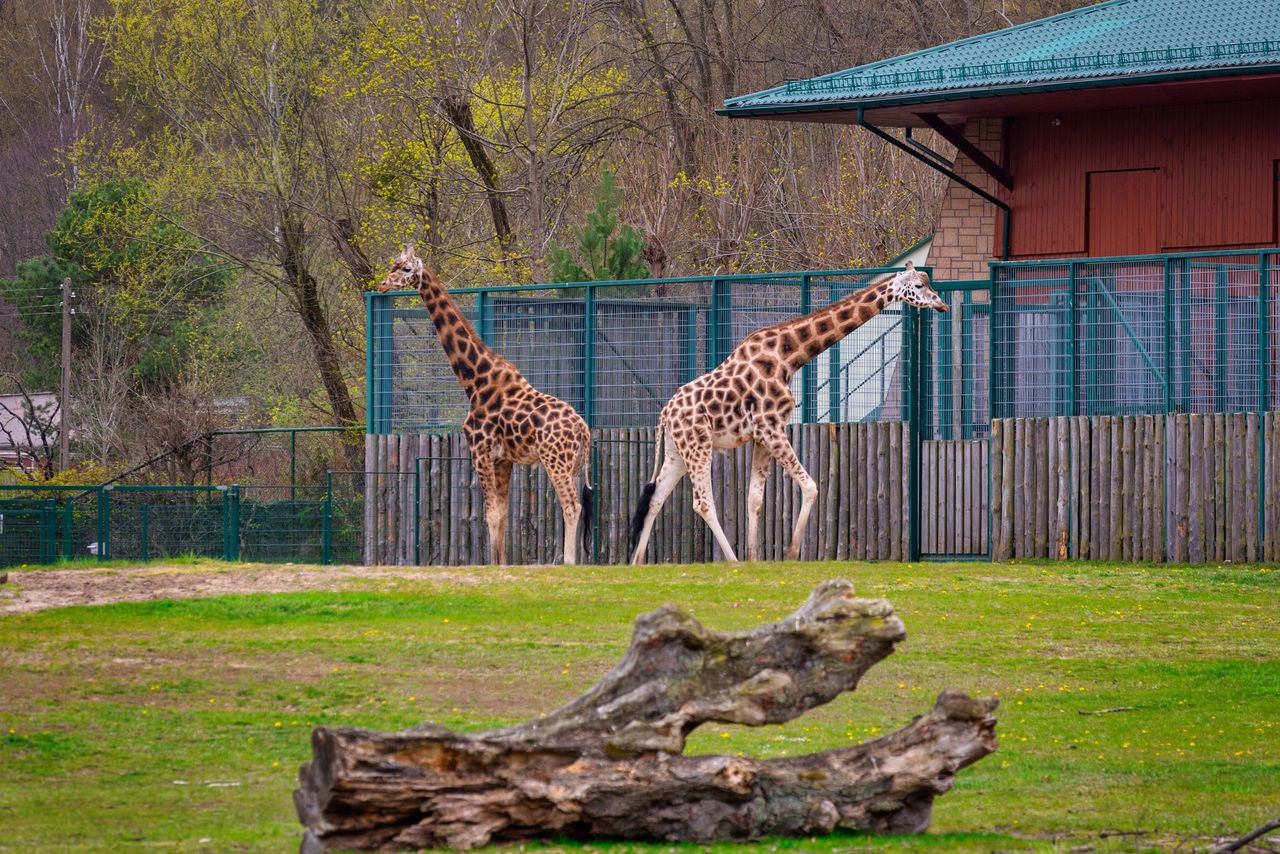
{"x":782,"y":451}
{"x":704,"y":505}
{"x":564,"y":481}
{"x":673,"y":469}
{"x":760,"y":459}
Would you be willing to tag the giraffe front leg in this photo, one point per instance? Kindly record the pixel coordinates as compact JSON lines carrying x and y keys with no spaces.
{"x":497,"y":522}
{"x":564,"y":481}
{"x":760,"y":459}
{"x":495,"y":501}
{"x":705,"y":506}
{"x":782,"y":451}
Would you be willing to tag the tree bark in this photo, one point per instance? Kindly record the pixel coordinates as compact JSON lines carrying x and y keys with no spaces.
{"x":306,"y":293}
{"x":458,"y":110}
{"x":608,"y":764}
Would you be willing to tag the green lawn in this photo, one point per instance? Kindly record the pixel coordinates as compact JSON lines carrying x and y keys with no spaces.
{"x":180,"y":724}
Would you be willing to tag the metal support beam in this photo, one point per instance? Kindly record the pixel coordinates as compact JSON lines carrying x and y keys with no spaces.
{"x":962,"y":144}
{"x":968,"y":185}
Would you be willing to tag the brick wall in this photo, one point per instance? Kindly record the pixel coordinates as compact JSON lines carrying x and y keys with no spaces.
{"x":967,"y":233}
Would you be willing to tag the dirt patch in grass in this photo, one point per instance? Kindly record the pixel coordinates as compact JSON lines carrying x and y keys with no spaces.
{"x":58,"y":588}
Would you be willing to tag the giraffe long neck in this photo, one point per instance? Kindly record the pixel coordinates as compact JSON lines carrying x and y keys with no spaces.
{"x":819,"y":330}
{"x":470,"y":358}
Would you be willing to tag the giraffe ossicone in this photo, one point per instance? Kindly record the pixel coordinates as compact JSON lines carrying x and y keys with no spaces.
{"x":509,"y":422}
{"x":747,"y":398}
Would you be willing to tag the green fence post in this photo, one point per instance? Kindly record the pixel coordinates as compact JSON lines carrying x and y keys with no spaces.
{"x":1071,"y":341}
{"x":1184,"y":345}
{"x":1168,"y":335}
{"x":104,"y":523}
{"x":68,"y":522}
{"x":232,"y":526}
{"x":46,"y":536}
{"x":326,"y":521}
{"x":808,"y":383}
{"x":417,"y":511}
{"x":1264,"y":382}
{"x":589,"y":356}
{"x":370,"y":345}
{"x":293,"y":465}
{"x":595,"y":501}
{"x":1222,"y":294}
{"x":144,"y":533}
{"x":911,"y":391}
{"x":719,"y":322}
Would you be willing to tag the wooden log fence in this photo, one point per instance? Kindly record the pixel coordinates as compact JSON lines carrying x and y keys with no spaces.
{"x":423,"y":505}
{"x":1178,"y":488}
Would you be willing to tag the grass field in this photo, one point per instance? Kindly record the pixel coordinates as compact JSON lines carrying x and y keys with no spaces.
{"x":179,"y":725}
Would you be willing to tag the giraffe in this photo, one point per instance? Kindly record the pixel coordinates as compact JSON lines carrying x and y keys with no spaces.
{"x":510,"y":421}
{"x":747,"y":398}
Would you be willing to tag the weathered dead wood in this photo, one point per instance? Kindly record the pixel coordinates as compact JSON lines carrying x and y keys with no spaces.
{"x":608,"y":764}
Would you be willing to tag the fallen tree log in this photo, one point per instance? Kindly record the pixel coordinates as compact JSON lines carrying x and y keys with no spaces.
{"x":609,"y":764}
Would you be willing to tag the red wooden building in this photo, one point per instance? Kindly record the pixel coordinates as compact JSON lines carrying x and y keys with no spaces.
{"x":1130,"y":127}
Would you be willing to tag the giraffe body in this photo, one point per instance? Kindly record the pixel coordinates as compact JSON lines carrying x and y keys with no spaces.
{"x":510,"y":422}
{"x":748,"y":398}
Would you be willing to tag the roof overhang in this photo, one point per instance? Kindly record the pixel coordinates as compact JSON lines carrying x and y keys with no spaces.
{"x":956,"y":106}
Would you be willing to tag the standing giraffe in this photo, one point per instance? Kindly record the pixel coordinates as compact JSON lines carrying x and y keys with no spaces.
{"x":747,"y":398}
{"x":510,"y":421}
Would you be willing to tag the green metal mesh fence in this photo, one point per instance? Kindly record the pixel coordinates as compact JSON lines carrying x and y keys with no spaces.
{"x":617,"y":351}
{"x":1186,"y":333}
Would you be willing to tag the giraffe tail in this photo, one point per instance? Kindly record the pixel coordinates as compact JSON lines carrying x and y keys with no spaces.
{"x":646,"y":494}
{"x":588,"y":505}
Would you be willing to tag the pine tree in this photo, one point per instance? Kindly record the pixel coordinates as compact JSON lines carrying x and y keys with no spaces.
{"x":606,"y":250}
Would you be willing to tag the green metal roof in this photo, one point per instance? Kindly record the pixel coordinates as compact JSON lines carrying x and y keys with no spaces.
{"x":1111,"y":42}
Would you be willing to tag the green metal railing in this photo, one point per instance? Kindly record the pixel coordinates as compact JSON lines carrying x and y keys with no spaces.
{"x":1169,"y":333}
{"x":616,"y":351}
{"x":289,"y":522}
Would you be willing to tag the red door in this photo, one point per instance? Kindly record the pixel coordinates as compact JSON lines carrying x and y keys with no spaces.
{"x":1122,"y":213}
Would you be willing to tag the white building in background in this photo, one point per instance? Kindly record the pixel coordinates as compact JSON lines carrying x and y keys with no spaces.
{"x":22,"y":418}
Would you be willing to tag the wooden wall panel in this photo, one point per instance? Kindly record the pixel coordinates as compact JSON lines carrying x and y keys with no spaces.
{"x":1215,"y":165}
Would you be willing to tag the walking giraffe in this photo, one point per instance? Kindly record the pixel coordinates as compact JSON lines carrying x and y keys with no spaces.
{"x":510,"y":421}
{"x":747,"y":398}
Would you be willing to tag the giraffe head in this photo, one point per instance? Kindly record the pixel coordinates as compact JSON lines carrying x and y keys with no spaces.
{"x":912,"y":287}
{"x":407,"y":272}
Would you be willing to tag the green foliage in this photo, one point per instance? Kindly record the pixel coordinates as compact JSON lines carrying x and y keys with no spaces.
{"x":607,"y":251}
{"x":35,"y":291}
{"x":134,"y":269}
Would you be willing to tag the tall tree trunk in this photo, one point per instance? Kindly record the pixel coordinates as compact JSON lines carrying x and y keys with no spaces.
{"x":306,"y":293}
{"x":458,"y":110}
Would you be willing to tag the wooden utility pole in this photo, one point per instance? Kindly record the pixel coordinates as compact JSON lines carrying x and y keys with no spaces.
{"x":64,"y":433}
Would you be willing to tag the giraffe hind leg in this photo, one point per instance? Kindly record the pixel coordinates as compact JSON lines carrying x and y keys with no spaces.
{"x":760,"y":460}
{"x":673,"y":468}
